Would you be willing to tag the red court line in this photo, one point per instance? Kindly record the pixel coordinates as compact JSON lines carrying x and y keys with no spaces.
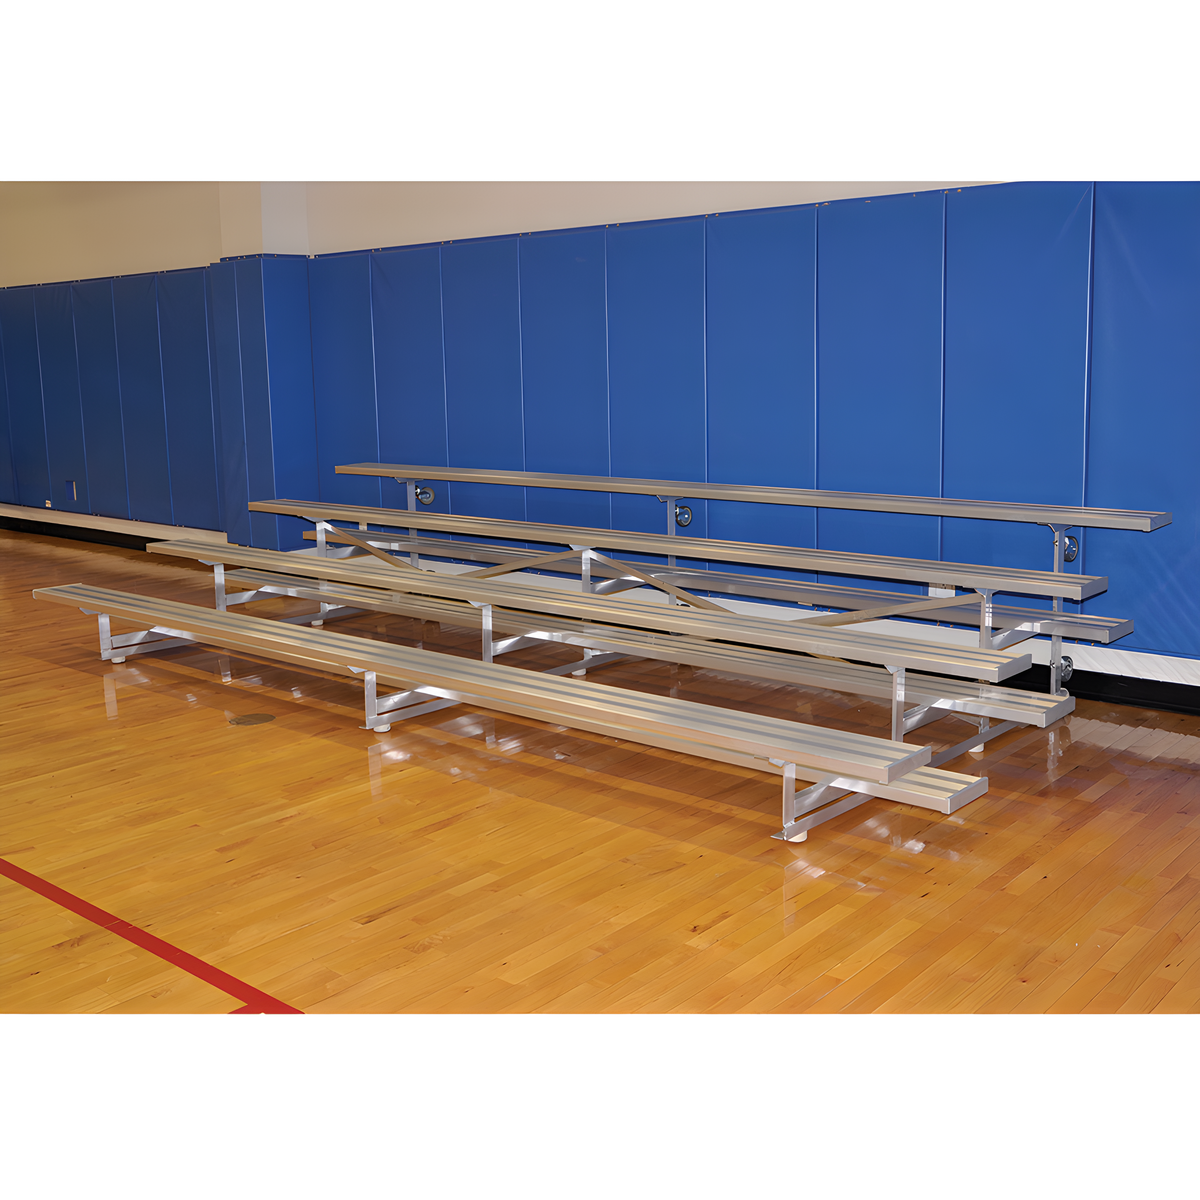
{"x":253,"y":1000}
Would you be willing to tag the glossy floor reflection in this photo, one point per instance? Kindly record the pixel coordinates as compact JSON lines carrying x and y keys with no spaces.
{"x":470,"y":861}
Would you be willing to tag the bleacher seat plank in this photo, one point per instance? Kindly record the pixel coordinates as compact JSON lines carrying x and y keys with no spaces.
{"x":991,"y":510}
{"x":975,"y":576}
{"x":1046,"y":622}
{"x":826,"y":749}
{"x":747,"y":662}
{"x":841,"y":760}
{"x":883,"y":650}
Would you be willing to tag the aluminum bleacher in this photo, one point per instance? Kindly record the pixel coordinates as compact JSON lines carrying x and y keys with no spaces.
{"x":848,"y":768}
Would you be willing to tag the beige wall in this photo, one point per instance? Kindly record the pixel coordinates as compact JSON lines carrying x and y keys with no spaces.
{"x":54,"y":231}
{"x":344,"y":216}
{"x":58,"y":231}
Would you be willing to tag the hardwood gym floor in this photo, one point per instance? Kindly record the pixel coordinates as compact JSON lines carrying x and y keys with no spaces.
{"x":469,"y":861}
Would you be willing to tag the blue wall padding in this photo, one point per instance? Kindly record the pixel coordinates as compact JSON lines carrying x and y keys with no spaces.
{"x":214,"y":383}
{"x":1145,"y":407}
{"x":60,"y":398}
{"x":139,"y":364}
{"x":344,"y":375}
{"x":761,"y":382}
{"x":481,"y":307}
{"x":8,"y":478}
{"x":1017,"y":267}
{"x":879,"y":289}
{"x":256,"y":399}
{"x":229,"y":420}
{"x":656,"y":364}
{"x":100,"y":397}
{"x":1013,"y":342}
{"x":27,"y":426}
{"x":564,"y":356}
{"x":289,"y":375}
{"x":410,"y":380}
{"x":187,"y":389}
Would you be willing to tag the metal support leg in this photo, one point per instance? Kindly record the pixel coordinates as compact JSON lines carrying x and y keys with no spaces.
{"x":897,"y":703}
{"x":670,"y":502}
{"x":985,"y":617}
{"x":815,"y":805}
{"x":585,"y":569}
{"x":157,"y":637}
{"x":371,"y":704}
{"x":789,"y":802}
{"x":1057,"y":672}
{"x":219,"y":586}
{"x":984,"y":725}
{"x":369,"y":697}
{"x":923,"y":714}
{"x":383,"y":711}
{"x":322,"y":546}
{"x":106,"y":643}
{"x":485,"y":611}
{"x":410,"y":488}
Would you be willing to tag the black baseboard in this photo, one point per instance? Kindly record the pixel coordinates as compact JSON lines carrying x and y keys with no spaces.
{"x":76,"y":533}
{"x":1115,"y":689}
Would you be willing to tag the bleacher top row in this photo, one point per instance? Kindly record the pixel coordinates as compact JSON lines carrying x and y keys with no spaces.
{"x":1041,"y":514}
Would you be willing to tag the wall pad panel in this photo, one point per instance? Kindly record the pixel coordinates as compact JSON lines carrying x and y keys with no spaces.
{"x":60,"y":398}
{"x":656,"y":363}
{"x":139,"y":365}
{"x":23,"y":376}
{"x":1017,"y":280}
{"x":187,"y":391}
{"x":344,"y":374}
{"x":410,"y":378}
{"x":1145,"y":407}
{"x":8,"y":478}
{"x":100,"y":397}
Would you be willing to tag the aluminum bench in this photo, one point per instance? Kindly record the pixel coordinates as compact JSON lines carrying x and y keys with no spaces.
{"x":1055,"y":517}
{"x":407,"y":590}
{"x":806,"y":634}
{"x":975,"y":576}
{"x":848,"y":768}
{"x":1007,"y":620}
{"x":410,"y":476}
{"x":933,"y":697}
{"x":942,"y":578}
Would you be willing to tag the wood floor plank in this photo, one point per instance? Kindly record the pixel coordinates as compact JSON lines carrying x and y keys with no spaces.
{"x":52,"y":960}
{"x":469,"y":861}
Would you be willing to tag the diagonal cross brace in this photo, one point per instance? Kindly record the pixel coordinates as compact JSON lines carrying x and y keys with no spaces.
{"x":521,"y":564}
{"x":886,"y":610}
{"x":670,"y":589}
{"x":362,"y":543}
